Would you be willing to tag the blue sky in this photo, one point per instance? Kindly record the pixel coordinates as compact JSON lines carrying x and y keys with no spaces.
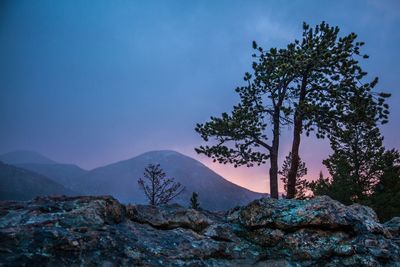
{"x":94,"y":82}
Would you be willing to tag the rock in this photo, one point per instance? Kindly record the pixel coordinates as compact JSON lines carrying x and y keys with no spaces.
{"x":168,"y":217}
{"x":315,"y":230}
{"x":321,"y":212}
{"x":221,"y":232}
{"x":393,"y":226}
{"x":99,"y":231}
{"x":266,"y":237}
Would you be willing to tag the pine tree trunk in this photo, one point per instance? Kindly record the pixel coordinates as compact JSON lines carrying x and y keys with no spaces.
{"x":297,"y":129}
{"x":273,"y":175}
{"x":273,"y":170}
{"x":294,"y":163}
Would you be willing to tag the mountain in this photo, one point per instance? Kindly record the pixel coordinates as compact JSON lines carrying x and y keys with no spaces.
{"x":64,"y":174}
{"x":67,"y":175}
{"x":120,"y":180}
{"x":20,"y":184}
{"x":24,"y":156}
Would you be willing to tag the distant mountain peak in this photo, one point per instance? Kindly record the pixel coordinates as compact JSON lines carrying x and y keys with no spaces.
{"x":165,"y":152}
{"x":120,"y":180}
{"x":157,"y":155}
{"x":25,"y":156}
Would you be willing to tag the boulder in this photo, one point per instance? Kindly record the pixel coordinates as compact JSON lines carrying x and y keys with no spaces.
{"x":320,"y":212}
{"x":168,"y":217}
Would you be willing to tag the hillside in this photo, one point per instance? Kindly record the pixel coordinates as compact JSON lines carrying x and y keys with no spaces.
{"x":25,"y":156}
{"x":120,"y":180}
{"x":67,"y":175}
{"x":64,"y":174}
{"x":20,"y":184}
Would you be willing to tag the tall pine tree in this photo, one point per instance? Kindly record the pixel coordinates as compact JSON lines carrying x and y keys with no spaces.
{"x":328,"y":75}
{"x":307,"y":85}
{"x":241,"y":138}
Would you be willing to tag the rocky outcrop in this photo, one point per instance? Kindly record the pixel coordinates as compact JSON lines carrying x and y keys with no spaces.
{"x":394,"y":226}
{"x":99,"y":231}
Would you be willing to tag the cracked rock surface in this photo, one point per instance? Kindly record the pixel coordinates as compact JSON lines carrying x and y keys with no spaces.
{"x":99,"y":231}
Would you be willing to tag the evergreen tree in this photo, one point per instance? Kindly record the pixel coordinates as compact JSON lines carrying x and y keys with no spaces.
{"x":385,"y":196}
{"x":359,"y":167}
{"x":328,"y":77}
{"x":157,"y":187}
{"x":339,"y":189}
{"x":241,"y":137}
{"x":301,"y":183}
{"x":194,"y":203}
{"x":355,"y":165}
{"x":385,"y":199}
{"x":308,"y":85}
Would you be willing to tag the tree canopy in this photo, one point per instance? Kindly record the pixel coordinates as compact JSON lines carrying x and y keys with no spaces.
{"x":361,"y":169}
{"x":309,"y":85}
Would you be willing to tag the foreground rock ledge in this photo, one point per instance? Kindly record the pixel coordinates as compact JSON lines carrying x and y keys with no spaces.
{"x":99,"y":231}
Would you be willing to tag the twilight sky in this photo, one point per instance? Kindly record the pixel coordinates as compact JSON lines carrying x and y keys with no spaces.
{"x":94,"y":82}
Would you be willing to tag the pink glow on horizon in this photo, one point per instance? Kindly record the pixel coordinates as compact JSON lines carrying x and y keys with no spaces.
{"x":257,"y":178}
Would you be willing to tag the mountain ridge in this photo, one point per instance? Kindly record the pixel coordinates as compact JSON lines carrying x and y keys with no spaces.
{"x":64,"y":174}
{"x":120,"y":179}
{"x":215,"y":192}
{"x":25,"y":156}
{"x":174,"y":152}
{"x":21,"y":184}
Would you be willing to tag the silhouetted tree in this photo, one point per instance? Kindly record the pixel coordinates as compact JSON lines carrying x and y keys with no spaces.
{"x":307,"y":84}
{"x":157,"y":188}
{"x":383,"y":196}
{"x":385,"y":199}
{"x":241,"y":137}
{"x":328,"y":77}
{"x":301,"y":183}
{"x":360,"y":165}
{"x":194,"y":203}
{"x":340,"y":189}
{"x":356,"y":164}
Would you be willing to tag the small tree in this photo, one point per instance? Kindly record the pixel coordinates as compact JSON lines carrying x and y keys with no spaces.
{"x":356,"y":164}
{"x":194,"y":203}
{"x":359,"y":158}
{"x":339,"y":188}
{"x":301,"y":184}
{"x":385,"y":199}
{"x":158,"y":189}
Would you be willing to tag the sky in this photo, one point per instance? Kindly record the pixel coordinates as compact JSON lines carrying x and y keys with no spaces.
{"x":95,"y":82}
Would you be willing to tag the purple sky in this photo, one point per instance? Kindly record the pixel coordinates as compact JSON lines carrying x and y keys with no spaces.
{"x":94,"y":82}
